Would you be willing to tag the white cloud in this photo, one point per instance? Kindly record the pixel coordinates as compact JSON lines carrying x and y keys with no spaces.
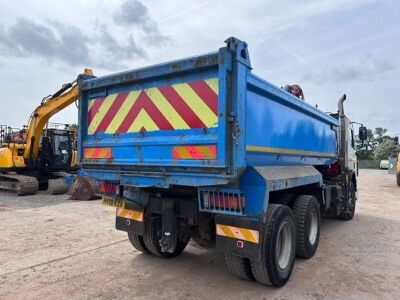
{"x":287,"y":40}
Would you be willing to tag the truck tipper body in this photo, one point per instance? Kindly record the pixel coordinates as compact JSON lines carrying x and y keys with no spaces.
{"x":203,"y":149}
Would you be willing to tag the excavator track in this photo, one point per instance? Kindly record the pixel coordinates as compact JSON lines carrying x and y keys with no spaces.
{"x":21,"y":184}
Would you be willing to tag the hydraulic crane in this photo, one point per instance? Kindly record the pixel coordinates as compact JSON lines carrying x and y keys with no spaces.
{"x":36,"y":160}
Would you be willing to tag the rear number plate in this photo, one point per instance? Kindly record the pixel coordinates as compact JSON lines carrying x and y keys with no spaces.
{"x":113,"y":202}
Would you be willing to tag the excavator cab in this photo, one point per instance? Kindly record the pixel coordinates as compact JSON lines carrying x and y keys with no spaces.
{"x":55,"y":151}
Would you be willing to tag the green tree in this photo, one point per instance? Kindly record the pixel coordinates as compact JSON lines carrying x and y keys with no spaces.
{"x":378,"y":145}
{"x":387,"y":148}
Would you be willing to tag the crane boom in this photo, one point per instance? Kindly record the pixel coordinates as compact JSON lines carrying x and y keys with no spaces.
{"x":48,"y":108}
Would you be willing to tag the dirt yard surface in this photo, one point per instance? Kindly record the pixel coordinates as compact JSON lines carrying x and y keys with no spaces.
{"x":54,"y":248}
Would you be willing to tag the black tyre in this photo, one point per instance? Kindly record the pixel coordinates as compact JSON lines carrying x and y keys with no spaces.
{"x":350,"y":207}
{"x":398,"y":179}
{"x":238,"y":266}
{"x":308,"y":220}
{"x":152,"y":236}
{"x":137,"y":242}
{"x":279,"y":247}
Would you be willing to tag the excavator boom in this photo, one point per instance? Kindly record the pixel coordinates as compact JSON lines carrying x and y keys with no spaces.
{"x":41,"y":115}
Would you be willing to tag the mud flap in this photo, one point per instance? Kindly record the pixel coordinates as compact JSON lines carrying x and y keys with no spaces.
{"x":238,"y":235}
{"x":130,"y":218}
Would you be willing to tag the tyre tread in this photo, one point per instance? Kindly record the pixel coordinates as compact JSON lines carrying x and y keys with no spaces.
{"x":300,"y":212}
{"x":262,"y":272}
{"x":238,"y":266}
{"x":137,"y":242}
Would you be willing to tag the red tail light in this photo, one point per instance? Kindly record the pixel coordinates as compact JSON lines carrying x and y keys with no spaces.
{"x":333,"y":169}
{"x":223,"y":201}
{"x":107,"y":188}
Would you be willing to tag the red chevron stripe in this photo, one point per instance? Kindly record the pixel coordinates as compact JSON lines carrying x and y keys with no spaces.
{"x":144,"y":102}
{"x":181,"y":107}
{"x":206,"y":94}
{"x":94,"y":108}
{"x":194,"y":152}
{"x":96,"y":152}
{"x":112,"y":111}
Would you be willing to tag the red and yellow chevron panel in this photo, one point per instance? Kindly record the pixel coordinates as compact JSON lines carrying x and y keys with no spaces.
{"x":243,"y":234}
{"x":195,"y":152}
{"x":130,"y":214}
{"x":178,"y":106}
{"x":97,"y":153}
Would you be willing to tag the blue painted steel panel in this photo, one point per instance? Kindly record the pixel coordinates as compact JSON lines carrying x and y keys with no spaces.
{"x":258,"y":125}
{"x":284,"y":130}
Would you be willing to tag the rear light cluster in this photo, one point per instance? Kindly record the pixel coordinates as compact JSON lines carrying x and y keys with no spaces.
{"x":224,"y":201}
{"x":106,"y":188}
{"x":333,"y":169}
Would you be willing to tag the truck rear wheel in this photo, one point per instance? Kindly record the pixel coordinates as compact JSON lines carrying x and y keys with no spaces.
{"x":348,"y":211}
{"x":152,"y":236}
{"x":137,"y":242}
{"x":307,"y":213}
{"x":398,"y":179}
{"x":278,"y":247}
{"x":238,"y":266}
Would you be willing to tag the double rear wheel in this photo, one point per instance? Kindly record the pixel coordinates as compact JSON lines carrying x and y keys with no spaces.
{"x":150,"y":241}
{"x":287,"y":233}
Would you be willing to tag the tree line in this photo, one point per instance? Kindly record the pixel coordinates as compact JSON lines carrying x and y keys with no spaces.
{"x":378,"y":145}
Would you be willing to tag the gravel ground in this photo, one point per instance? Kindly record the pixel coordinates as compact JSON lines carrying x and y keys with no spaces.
{"x":54,"y":248}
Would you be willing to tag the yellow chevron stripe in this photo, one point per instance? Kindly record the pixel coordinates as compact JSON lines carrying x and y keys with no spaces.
{"x":247,"y":235}
{"x":130,"y":214}
{"x":183,"y":153}
{"x":143,"y":120}
{"x":90,"y":104}
{"x":105,"y":106}
{"x":166,"y":109}
{"x":238,"y":233}
{"x":226,"y":231}
{"x":204,"y":113}
{"x":205,"y":152}
{"x":88,"y":152}
{"x":213,"y":84}
{"x":123,"y":111}
{"x":103,"y":153}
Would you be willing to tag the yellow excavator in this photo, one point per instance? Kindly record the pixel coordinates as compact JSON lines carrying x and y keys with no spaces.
{"x":35,"y":160}
{"x":398,"y":170}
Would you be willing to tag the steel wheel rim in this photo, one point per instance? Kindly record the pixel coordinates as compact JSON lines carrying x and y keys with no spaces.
{"x":283,"y":247}
{"x":312,"y":227}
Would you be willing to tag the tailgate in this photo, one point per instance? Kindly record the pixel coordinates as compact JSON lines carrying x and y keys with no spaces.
{"x":165,"y":119}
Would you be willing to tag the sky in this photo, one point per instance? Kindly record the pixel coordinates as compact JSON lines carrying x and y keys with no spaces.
{"x":328,"y":47}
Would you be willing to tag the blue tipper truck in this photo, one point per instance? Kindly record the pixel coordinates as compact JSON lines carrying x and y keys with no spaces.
{"x":202,"y":149}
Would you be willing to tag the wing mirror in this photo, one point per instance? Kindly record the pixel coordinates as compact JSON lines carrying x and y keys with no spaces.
{"x":362,"y":133}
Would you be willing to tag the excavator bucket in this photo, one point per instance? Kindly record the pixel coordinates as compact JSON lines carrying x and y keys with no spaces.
{"x":83,"y":188}
{"x":57,"y":186}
